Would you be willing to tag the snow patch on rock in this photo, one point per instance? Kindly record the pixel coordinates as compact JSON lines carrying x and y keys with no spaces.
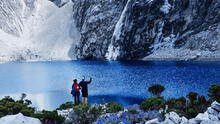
{"x":166,"y":7}
{"x":19,"y":119}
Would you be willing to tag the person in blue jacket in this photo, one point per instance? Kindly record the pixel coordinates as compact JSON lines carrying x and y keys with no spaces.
{"x":84,"y":89}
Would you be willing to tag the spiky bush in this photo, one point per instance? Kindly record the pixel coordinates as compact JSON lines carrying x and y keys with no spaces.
{"x":156,"y":89}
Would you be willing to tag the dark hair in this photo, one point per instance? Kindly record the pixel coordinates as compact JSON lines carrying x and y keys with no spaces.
{"x":75,"y":80}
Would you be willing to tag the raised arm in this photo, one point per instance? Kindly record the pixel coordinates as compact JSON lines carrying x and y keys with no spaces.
{"x":88,"y":82}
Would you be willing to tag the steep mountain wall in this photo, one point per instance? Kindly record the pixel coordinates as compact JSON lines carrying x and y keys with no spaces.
{"x":96,"y":20}
{"x":109,"y":29}
{"x":150,"y":29}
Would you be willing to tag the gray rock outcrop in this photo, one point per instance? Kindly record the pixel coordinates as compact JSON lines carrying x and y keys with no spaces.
{"x":133,"y":29}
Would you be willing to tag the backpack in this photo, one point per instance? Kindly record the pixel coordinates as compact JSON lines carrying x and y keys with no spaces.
{"x":72,"y":91}
{"x":76,"y":87}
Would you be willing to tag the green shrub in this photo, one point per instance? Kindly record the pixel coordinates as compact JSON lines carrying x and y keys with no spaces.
{"x":66,"y":106}
{"x":9,"y":106}
{"x":16,"y":108}
{"x":3,"y":109}
{"x":27,"y":102}
{"x":192,"y":96}
{"x":176,"y":103}
{"x":8,"y":99}
{"x":196,"y":104}
{"x":95,"y":110}
{"x":153,"y":103}
{"x":2,"y":114}
{"x":214,"y":92}
{"x":192,"y":112}
{"x":113,"y":107}
{"x":133,"y":111}
{"x":50,"y":117}
{"x":202,"y":100}
{"x":81,"y":108}
{"x":156,"y":89}
{"x":27,"y":111}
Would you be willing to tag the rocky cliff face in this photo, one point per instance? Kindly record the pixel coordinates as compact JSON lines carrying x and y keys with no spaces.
{"x":152,"y":29}
{"x":96,"y":20}
{"x":109,"y":29}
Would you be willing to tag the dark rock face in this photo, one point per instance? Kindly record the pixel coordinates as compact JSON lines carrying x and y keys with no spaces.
{"x":95,"y":19}
{"x":60,"y":3}
{"x":133,"y":29}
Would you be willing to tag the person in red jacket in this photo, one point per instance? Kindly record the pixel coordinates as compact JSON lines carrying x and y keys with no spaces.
{"x":75,"y":91}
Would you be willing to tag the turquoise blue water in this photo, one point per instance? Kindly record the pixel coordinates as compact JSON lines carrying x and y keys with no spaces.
{"x":48,"y":84}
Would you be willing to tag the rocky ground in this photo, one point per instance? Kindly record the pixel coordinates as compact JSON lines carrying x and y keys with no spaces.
{"x":211,"y":116}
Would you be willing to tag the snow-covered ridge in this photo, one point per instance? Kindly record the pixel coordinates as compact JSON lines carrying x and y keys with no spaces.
{"x":46,"y":32}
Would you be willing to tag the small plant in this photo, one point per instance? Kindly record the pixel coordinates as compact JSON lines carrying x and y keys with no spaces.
{"x":133,"y":111}
{"x":9,"y":106}
{"x":192,"y":112}
{"x":156,"y":89}
{"x":50,"y":117}
{"x":66,"y":106}
{"x":95,"y":110}
{"x":214,"y":92}
{"x":27,"y":102}
{"x":113,"y":107}
{"x":2,"y":114}
{"x":27,"y":111}
{"x":8,"y":99}
{"x":3,"y":110}
{"x":153,"y":103}
{"x":192,"y":96}
{"x":81,"y":109}
{"x":176,"y":104}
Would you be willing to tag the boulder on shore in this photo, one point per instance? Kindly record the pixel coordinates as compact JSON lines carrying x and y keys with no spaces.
{"x":19,"y":119}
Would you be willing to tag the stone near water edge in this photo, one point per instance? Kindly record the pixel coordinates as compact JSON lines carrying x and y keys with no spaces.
{"x":193,"y":121}
{"x":213,"y":118}
{"x":209,"y":122}
{"x":215,"y":105}
{"x":154,"y":121}
{"x":174,"y":117}
{"x":19,"y":119}
{"x":68,"y":120}
{"x":167,"y":121}
{"x":184,"y":120}
{"x":201,"y":117}
{"x":212,"y":111}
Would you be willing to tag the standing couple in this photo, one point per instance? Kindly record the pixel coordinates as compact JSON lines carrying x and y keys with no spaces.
{"x":83,"y":86}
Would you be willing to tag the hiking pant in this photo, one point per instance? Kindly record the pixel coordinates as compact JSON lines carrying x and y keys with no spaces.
{"x":76,"y":99}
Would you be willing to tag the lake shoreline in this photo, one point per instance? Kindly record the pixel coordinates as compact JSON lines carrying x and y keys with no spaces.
{"x":145,"y":60}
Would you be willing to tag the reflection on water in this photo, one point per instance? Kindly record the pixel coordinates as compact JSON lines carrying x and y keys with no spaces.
{"x":48,"y":84}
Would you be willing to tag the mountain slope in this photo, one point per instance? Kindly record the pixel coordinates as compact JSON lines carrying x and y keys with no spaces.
{"x":47,"y":33}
